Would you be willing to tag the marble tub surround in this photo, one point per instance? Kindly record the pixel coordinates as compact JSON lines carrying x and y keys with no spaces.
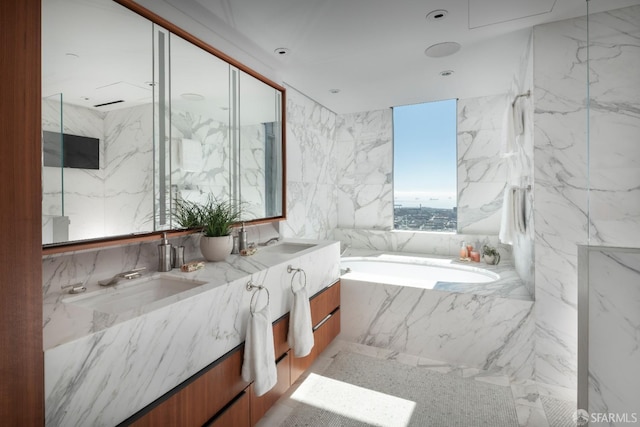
{"x":478,"y":327}
{"x":109,"y":369}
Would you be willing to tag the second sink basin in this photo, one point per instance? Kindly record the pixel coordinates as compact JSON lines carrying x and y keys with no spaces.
{"x":132,"y":294}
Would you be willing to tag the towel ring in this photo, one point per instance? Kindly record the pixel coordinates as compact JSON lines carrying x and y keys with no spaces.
{"x":296,"y":271}
{"x":254,"y":297}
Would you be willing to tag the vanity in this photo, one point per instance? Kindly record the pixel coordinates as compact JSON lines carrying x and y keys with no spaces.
{"x":179,"y":356}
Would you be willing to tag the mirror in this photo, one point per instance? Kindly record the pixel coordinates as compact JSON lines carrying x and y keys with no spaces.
{"x":135,"y":116}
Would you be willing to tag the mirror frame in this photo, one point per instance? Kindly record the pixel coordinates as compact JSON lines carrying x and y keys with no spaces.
{"x":133,"y":238}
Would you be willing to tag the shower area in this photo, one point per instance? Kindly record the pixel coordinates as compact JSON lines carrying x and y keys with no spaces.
{"x":587,"y":209}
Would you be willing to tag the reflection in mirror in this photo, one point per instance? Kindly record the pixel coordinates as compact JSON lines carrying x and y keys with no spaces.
{"x":96,"y":75}
{"x":259,"y":148}
{"x":200,"y":109}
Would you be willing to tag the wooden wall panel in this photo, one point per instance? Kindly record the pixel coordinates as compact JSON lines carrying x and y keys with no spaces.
{"x":21,"y":355}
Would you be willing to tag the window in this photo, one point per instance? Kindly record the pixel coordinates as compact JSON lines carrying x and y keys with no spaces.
{"x":424,"y":166}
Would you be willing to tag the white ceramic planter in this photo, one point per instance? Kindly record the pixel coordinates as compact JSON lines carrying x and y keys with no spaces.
{"x":216,"y":248}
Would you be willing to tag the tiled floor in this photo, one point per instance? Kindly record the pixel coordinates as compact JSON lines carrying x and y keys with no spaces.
{"x":526,"y":394}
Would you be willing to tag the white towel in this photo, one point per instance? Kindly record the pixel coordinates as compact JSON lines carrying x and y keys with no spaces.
{"x":508,"y":136}
{"x":518,"y":117}
{"x":300,"y":337}
{"x":519,"y":210}
{"x":191,"y":155}
{"x":259,"y":363}
{"x":507,"y":222}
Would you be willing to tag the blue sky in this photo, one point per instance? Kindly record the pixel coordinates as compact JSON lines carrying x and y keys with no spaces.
{"x":424,"y":137}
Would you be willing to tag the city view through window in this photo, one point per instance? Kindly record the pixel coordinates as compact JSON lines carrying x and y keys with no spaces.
{"x":424,"y":169}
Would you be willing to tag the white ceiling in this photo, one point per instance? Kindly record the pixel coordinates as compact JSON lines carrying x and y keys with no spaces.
{"x":373,"y":50}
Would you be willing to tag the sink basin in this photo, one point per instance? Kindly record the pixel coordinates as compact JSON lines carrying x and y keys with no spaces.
{"x":288,"y":247}
{"x":131,"y":294}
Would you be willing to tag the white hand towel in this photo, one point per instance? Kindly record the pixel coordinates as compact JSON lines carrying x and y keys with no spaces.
{"x":507,"y":223}
{"x":518,"y":117}
{"x":300,"y":337}
{"x":519,"y":210}
{"x":259,"y":363}
{"x":191,"y":155}
{"x":507,"y":141}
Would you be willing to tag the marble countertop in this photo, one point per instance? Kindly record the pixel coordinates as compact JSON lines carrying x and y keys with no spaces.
{"x":66,"y":321}
{"x":509,"y":285}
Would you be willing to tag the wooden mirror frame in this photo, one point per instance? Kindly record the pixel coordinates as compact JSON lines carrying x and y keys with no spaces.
{"x":155,"y":235}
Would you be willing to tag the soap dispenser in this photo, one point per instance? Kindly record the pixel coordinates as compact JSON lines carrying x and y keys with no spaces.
{"x":164,"y":254}
{"x":242,"y":237}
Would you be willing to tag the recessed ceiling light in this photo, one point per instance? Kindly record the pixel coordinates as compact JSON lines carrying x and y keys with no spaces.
{"x":446,"y":73}
{"x":334,"y":91}
{"x":71,"y":55}
{"x":437,"y":15}
{"x":281,"y":51}
{"x":442,"y":49}
{"x":192,"y":96}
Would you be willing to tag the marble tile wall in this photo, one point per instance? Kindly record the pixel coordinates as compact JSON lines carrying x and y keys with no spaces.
{"x":614,"y":125}
{"x":365,"y":184}
{"x":612,"y":330}
{"x":482,"y":173}
{"x":520,"y":168}
{"x":93,"y":199}
{"x":312,"y":169}
{"x":567,"y":195}
{"x":560,"y":194}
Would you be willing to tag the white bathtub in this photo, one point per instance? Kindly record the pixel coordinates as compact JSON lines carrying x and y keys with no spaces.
{"x":417,"y":272}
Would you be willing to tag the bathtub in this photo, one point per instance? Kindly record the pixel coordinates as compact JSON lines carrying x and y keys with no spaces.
{"x":417,"y":272}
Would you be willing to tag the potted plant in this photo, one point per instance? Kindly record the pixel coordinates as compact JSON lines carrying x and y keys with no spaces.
{"x":216,"y":219}
{"x":490,"y":255}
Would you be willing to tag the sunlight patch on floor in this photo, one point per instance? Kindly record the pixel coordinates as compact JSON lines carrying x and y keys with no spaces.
{"x":354,"y":402}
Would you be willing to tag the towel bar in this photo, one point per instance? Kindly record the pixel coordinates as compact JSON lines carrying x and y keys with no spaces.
{"x":295,"y":271}
{"x":256,"y":290}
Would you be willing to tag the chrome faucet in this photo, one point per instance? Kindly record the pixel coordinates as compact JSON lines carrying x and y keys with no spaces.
{"x":131,"y":274}
{"x":271,"y":241}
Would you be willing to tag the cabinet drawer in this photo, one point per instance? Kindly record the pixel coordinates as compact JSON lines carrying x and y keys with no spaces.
{"x":198,"y":399}
{"x":260,"y":405}
{"x":237,"y":414}
{"x":324,"y":303}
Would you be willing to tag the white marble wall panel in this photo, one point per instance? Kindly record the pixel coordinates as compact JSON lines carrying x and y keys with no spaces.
{"x":214,"y":173}
{"x":312,"y":169}
{"x":482,"y":173}
{"x":108,"y":369}
{"x":614,"y":322}
{"x":614,"y":125}
{"x":83,"y":188}
{"x":128,"y":168}
{"x":252,"y":171}
{"x":446,"y":244}
{"x":465,"y":329}
{"x":366,"y":170}
{"x":520,"y":168}
{"x":560,"y":194}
